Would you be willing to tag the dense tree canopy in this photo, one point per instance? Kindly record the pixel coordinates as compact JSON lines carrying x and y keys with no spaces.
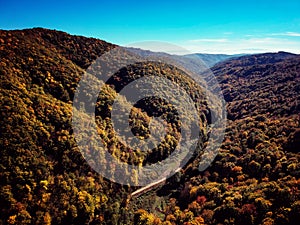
{"x":45,"y":180}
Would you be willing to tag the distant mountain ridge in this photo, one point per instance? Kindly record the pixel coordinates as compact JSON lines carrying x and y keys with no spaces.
{"x":212,"y":59}
{"x":259,"y":58}
{"x":208,"y":60}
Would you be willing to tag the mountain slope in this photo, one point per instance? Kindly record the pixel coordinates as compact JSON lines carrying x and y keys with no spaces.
{"x":40,"y":70}
{"x":43,"y":177}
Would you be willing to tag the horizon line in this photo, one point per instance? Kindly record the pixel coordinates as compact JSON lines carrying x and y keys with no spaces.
{"x":208,"y":52}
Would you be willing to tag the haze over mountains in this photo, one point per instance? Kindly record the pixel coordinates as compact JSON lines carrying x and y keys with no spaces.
{"x":212,"y":59}
{"x":255,"y":179}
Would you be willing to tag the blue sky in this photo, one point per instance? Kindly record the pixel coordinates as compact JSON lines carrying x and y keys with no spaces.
{"x":198,"y":26}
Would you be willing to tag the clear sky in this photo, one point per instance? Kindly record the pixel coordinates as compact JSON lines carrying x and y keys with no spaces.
{"x":199,"y":26}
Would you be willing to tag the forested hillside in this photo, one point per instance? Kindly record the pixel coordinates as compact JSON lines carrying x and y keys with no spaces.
{"x":44,"y":177}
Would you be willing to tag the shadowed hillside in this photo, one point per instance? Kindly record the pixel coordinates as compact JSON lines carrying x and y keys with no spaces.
{"x":261,"y":84}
